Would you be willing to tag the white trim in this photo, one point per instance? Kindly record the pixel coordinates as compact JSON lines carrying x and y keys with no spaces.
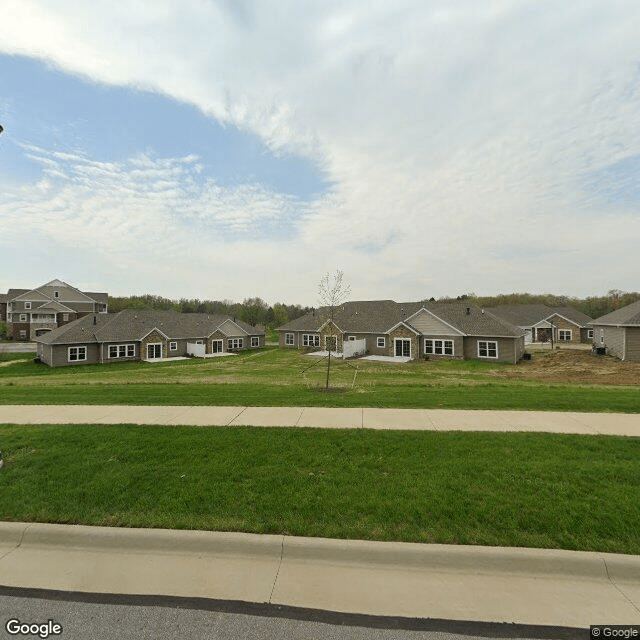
{"x":23,"y":317}
{"x":221,"y":349}
{"x":314,"y":342}
{"x":152,"y":330}
{"x":577,"y":324}
{"x":487,"y":349}
{"x":402,"y":322}
{"x":128,"y":347}
{"x":590,"y":334}
{"x":231,"y":341}
{"x":561,"y":339}
{"x":286,"y":339}
{"x":332,"y":322}
{"x":384,"y":342}
{"x":78,"y":351}
{"x":173,"y":345}
{"x":458,"y":331}
{"x":443,"y":347}
{"x":395,"y":341}
{"x":153,"y":344}
{"x":27,"y":305}
{"x":232,"y":322}
{"x":255,"y":341}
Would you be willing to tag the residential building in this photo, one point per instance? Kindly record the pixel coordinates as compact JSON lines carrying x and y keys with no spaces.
{"x":33,"y":312}
{"x":140,"y":335}
{"x":409,"y":330}
{"x":619,"y":332}
{"x":540,"y":322}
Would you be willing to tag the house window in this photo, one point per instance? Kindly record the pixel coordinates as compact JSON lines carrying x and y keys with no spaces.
{"x":199,"y":342}
{"x":65,"y":317}
{"x":601,"y":336}
{"x":154,"y":351}
{"x":173,"y":345}
{"x":23,"y":317}
{"x":487,"y":349}
{"x":438,"y":347}
{"x":310,"y":340}
{"x":564,"y":334}
{"x":77,"y":353}
{"x":255,"y":341}
{"x":352,"y":337}
{"x":122,"y":350}
{"x":23,"y":334}
{"x":234,"y":343}
{"x":216,"y":346}
{"x":381,"y":342}
{"x":56,"y":294}
{"x":590,"y":333}
{"x":288,"y":339}
{"x":27,"y":305}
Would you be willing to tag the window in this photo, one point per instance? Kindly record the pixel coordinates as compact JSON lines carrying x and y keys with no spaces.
{"x":601,"y":336}
{"x":77,"y":353}
{"x":122,"y":350}
{"x":154,"y":351}
{"x":487,"y":349}
{"x":216,"y":346}
{"x":23,"y":334}
{"x":352,"y":337}
{"x":589,"y":333}
{"x":288,"y":339}
{"x":438,"y":347}
{"x":173,"y":346}
{"x":255,"y":341}
{"x":234,"y":343}
{"x":27,"y":305}
{"x":65,"y":317}
{"x":564,"y":334}
{"x":199,"y":342}
{"x":382,"y":341}
{"x":23,"y":317}
{"x":56,"y":294}
{"x":310,"y":340}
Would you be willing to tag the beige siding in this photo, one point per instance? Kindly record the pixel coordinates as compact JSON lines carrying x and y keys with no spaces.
{"x":632,"y":352}
{"x":232,"y":329}
{"x":60,"y":355}
{"x":613,"y":340}
{"x":429,"y":325}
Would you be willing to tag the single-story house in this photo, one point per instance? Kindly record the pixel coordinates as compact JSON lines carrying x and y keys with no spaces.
{"x":619,"y":332}
{"x":141,"y":335}
{"x":540,"y":322}
{"x":408,"y":329}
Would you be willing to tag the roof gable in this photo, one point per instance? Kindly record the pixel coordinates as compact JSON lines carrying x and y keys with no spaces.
{"x":427,"y":322}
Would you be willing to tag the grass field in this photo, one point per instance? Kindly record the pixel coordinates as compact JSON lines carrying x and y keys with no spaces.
{"x":276,"y":377}
{"x":534,"y":490}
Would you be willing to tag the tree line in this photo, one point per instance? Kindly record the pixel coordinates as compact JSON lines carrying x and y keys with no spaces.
{"x":253,"y":311}
{"x":593,"y":306}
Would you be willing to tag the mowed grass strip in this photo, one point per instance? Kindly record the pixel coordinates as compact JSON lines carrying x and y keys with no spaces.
{"x":514,"y":489}
{"x":275,"y":377}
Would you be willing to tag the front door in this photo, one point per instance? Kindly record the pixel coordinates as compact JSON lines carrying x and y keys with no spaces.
{"x":403,"y":347}
{"x":154,"y":351}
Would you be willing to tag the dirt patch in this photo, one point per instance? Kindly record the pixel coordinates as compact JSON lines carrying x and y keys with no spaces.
{"x":566,"y":365}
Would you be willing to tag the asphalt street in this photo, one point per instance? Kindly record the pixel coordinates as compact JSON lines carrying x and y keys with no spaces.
{"x":103,"y":617}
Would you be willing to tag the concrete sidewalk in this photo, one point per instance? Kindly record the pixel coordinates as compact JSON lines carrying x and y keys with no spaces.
{"x":526,"y":586}
{"x":346,"y":418}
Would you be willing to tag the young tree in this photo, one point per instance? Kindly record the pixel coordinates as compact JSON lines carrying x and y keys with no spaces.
{"x":332,"y":292}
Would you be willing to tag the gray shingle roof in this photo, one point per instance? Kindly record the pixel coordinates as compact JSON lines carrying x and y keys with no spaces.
{"x":626,"y":316}
{"x":131,"y":325}
{"x":581,"y":319}
{"x":521,"y":315}
{"x":379,"y":316}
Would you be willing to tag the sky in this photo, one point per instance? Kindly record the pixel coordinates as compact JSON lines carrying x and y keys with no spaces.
{"x":225,"y":149}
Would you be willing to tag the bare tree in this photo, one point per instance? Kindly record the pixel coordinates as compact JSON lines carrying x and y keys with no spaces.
{"x":332,"y":292}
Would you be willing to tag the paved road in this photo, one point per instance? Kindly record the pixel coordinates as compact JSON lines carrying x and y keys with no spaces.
{"x":346,"y":418}
{"x":84,"y":616}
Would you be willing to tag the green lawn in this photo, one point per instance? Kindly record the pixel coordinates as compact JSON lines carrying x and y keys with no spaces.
{"x":276,"y":377}
{"x":510,"y":489}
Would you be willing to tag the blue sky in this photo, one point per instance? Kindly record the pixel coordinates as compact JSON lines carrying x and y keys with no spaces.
{"x":225,"y":150}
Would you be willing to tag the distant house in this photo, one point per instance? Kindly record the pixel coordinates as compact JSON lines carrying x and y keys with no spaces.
{"x":140,"y":335}
{"x":408,"y":330}
{"x":540,"y":322}
{"x":619,"y":332}
{"x":34,"y":312}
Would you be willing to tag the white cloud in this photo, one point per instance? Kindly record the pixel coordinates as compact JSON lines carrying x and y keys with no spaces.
{"x":460,"y":139}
